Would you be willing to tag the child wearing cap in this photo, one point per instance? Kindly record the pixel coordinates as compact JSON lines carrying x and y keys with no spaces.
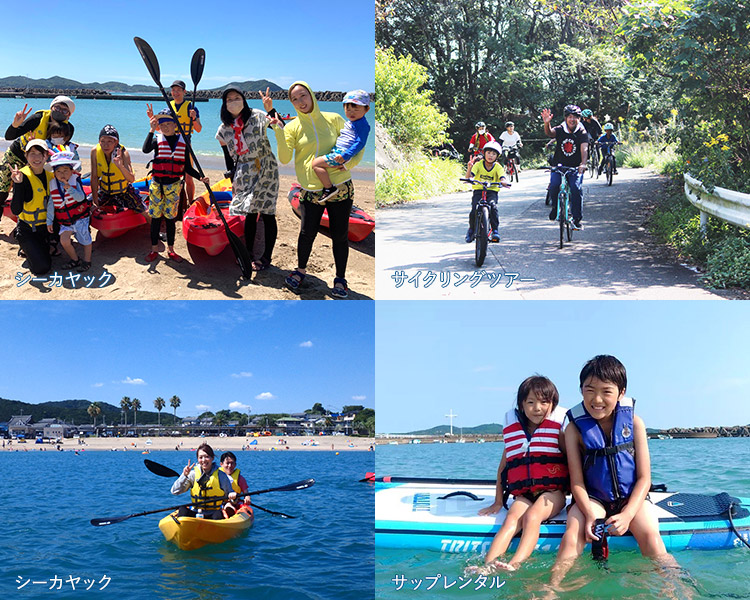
{"x":351,"y":140}
{"x":69,"y":206}
{"x":169,"y":164}
{"x":112,"y":175}
{"x":190,"y":120}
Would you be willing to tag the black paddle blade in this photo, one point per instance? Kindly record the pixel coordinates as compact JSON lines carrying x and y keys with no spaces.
{"x":160,"y":470}
{"x":197,"y":64}
{"x":241,"y":253}
{"x":148,"y":56}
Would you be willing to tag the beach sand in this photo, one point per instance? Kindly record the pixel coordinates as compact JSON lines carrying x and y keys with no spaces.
{"x":199,"y":276}
{"x":336,"y":443}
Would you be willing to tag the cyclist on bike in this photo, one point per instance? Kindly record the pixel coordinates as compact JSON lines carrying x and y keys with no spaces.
{"x":479,"y":139}
{"x":511,"y":141}
{"x":487,"y":169}
{"x":593,"y":127}
{"x":607,"y":143}
{"x":571,"y":150}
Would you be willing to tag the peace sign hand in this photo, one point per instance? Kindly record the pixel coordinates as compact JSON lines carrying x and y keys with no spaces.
{"x":150,"y":111}
{"x":267,"y":100}
{"x":188,"y":467}
{"x":16,"y":175}
{"x":21,"y":115}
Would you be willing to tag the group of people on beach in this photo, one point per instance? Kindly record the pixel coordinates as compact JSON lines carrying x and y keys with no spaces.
{"x":43,"y":170}
{"x":601,"y":457}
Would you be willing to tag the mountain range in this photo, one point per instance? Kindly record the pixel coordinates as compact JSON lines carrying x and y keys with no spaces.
{"x":76,"y":412}
{"x":61,"y":83}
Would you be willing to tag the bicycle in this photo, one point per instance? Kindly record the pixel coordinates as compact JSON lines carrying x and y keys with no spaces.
{"x":511,"y":168}
{"x":564,"y":216}
{"x":482,"y":230}
{"x":594,"y":159}
{"x":609,"y":165}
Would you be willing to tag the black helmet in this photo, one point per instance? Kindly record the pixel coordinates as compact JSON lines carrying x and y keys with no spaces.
{"x":572,"y":109}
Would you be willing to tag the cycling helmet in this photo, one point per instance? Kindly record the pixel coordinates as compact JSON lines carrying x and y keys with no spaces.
{"x":492,"y":146}
{"x":572,"y":109}
{"x":608,"y":127}
{"x":510,"y":124}
{"x":587,"y":113}
{"x":480,"y":124}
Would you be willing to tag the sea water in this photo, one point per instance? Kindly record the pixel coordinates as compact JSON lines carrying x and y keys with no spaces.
{"x":48,"y":498}
{"x":129,"y":117}
{"x":698,"y":466}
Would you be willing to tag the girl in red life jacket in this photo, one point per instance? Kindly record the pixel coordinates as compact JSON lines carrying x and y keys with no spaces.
{"x":533,"y":469}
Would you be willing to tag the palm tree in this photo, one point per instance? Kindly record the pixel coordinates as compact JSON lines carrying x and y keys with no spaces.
{"x":125,"y":406}
{"x":159,"y":404}
{"x":175,"y":402}
{"x":136,"y":404}
{"x":94,"y":411}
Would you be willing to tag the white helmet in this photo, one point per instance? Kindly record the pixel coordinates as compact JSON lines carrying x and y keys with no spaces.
{"x":492,"y":146}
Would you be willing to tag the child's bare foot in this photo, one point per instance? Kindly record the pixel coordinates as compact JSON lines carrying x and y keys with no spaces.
{"x":503,"y":566}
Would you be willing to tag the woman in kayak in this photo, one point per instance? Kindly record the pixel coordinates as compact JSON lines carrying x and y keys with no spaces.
{"x":314,"y":133}
{"x":533,"y":469}
{"x":248,"y":156}
{"x":208,"y":486}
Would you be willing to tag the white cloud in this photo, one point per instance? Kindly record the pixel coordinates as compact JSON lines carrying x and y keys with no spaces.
{"x":136,"y":381}
{"x":242,"y":374}
{"x":202,"y":407}
{"x":307,"y":344}
{"x":238,"y":406}
{"x":359,"y":398}
{"x":98,"y":385}
{"x":265,"y":396}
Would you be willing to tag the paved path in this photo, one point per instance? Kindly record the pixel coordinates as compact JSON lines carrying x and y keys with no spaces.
{"x":612,"y":258}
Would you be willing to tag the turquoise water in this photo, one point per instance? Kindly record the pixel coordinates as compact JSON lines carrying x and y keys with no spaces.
{"x":326,"y":553}
{"x":699,"y":466}
{"x":129,"y":117}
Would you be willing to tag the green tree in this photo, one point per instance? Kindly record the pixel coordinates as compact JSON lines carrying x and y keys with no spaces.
{"x":136,"y":404}
{"x":175,"y":402}
{"x":404,"y":107}
{"x":94,"y":411}
{"x":318,"y":409}
{"x":159,"y":404}
{"x":354,"y":408}
{"x":125,"y":406}
{"x":221,"y":418}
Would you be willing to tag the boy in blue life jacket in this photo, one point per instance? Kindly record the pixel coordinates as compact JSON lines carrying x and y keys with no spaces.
{"x":607,"y":143}
{"x":610,"y":468}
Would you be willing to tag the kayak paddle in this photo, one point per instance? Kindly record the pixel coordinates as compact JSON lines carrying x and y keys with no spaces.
{"x":298,"y":485}
{"x":158,"y":469}
{"x":240,"y":250}
{"x":196,"y":72}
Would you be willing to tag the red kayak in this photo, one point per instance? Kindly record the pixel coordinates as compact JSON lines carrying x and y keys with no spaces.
{"x":206,"y":229}
{"x":360,"y":223}
{"x":114,"y":221}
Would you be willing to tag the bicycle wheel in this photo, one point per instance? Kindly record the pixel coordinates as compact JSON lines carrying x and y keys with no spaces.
{"x":562,"y":211}
{"x":482,"y":230}
{"x":569,"y":230}
{"x":515,"y":169}
{"x":591,"y":165}
{"x":610,"y":170}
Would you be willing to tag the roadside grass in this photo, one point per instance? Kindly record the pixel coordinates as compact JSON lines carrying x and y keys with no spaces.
{"x":424,"y":177}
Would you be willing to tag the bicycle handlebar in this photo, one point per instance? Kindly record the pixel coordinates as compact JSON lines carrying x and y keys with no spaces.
{"x":561,"y":169}
{"x":484,"y":184}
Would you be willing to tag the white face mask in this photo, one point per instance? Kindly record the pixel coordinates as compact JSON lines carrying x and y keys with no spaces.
{"x":235,"y":107}
{"x":57,"y":141}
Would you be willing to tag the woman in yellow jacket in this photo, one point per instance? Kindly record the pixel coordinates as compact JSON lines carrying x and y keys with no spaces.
{"x":313,"y":133}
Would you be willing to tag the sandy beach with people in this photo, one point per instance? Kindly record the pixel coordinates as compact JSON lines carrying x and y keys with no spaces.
{"x":148,"y":445}
{"x":199,"y":276}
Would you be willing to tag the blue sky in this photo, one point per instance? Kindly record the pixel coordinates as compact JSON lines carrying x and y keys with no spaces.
{"x":296,"y":39}
{"x":688,"y":363}
{"x":269,"y":356}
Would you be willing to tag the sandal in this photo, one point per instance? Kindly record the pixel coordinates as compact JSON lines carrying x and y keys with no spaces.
{"x":84,"y":266}
{"x":175,"y":257}
{"x":152,"y":256}
{"x":71,"y":264}
{"x":340,"y":292}
{"x":294,"y":280}
{"x":261,"y":265}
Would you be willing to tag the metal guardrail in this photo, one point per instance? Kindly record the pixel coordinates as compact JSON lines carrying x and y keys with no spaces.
{"x":727,"y":205}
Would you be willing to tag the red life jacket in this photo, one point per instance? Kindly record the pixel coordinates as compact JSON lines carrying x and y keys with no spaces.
{"x":536,"y":464}
{"x":168,"y":163}
{"x":67,"y":209}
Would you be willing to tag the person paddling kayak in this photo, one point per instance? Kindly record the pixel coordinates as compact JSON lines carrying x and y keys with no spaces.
{"x":208,"y":486}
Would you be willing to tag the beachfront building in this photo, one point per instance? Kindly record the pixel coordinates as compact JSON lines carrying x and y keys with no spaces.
{"x":19,"y":426}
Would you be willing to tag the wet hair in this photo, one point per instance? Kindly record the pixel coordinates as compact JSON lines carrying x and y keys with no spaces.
{"x":542,"y":387}
{"x":228,"y":455}
{"x":228,"y":118}
{"x":606,"y":368}
{"x":206,"y":448}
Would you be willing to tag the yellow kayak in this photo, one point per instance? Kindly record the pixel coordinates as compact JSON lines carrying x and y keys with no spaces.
{"x":190,"y":533}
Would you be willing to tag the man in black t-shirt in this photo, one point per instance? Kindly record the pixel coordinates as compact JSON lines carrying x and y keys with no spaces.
{"x":571,"y":150}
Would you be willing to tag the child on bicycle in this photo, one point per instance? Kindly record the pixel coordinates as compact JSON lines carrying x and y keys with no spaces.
{"x":607,"y":143}
{"x":533,"y":469}
{"x":479,"y":139}
{"x":610,"y":468}
{"x":486,"y":169}
{"x":510,"y":140}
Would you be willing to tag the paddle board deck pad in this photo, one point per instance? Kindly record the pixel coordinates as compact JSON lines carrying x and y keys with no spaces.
{"x":114,"y":221}
{"x":206,"y":230}
{"x":360,"y":223}
{"x":441,"y":515}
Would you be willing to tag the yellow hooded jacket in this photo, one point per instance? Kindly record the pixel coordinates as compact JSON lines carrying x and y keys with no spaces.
{"x":309,"y":136}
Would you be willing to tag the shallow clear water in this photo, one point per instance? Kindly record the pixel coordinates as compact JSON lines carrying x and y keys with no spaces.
{"x":326,"y":553}
{"x":698,"y":466}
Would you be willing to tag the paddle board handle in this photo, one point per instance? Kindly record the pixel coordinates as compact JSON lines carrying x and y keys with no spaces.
{"x":600,"y":549}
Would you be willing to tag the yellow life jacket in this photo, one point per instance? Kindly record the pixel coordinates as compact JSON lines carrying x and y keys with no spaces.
{"x":183,"y":116}
{"x":111,"y":179}
{"x":34,"y":211}
{"x":211,"y":488}
{"x":40,"y":133}
{"x":236,"y":481}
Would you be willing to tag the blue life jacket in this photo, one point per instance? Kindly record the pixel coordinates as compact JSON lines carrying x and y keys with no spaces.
{"x":608,"y":467}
